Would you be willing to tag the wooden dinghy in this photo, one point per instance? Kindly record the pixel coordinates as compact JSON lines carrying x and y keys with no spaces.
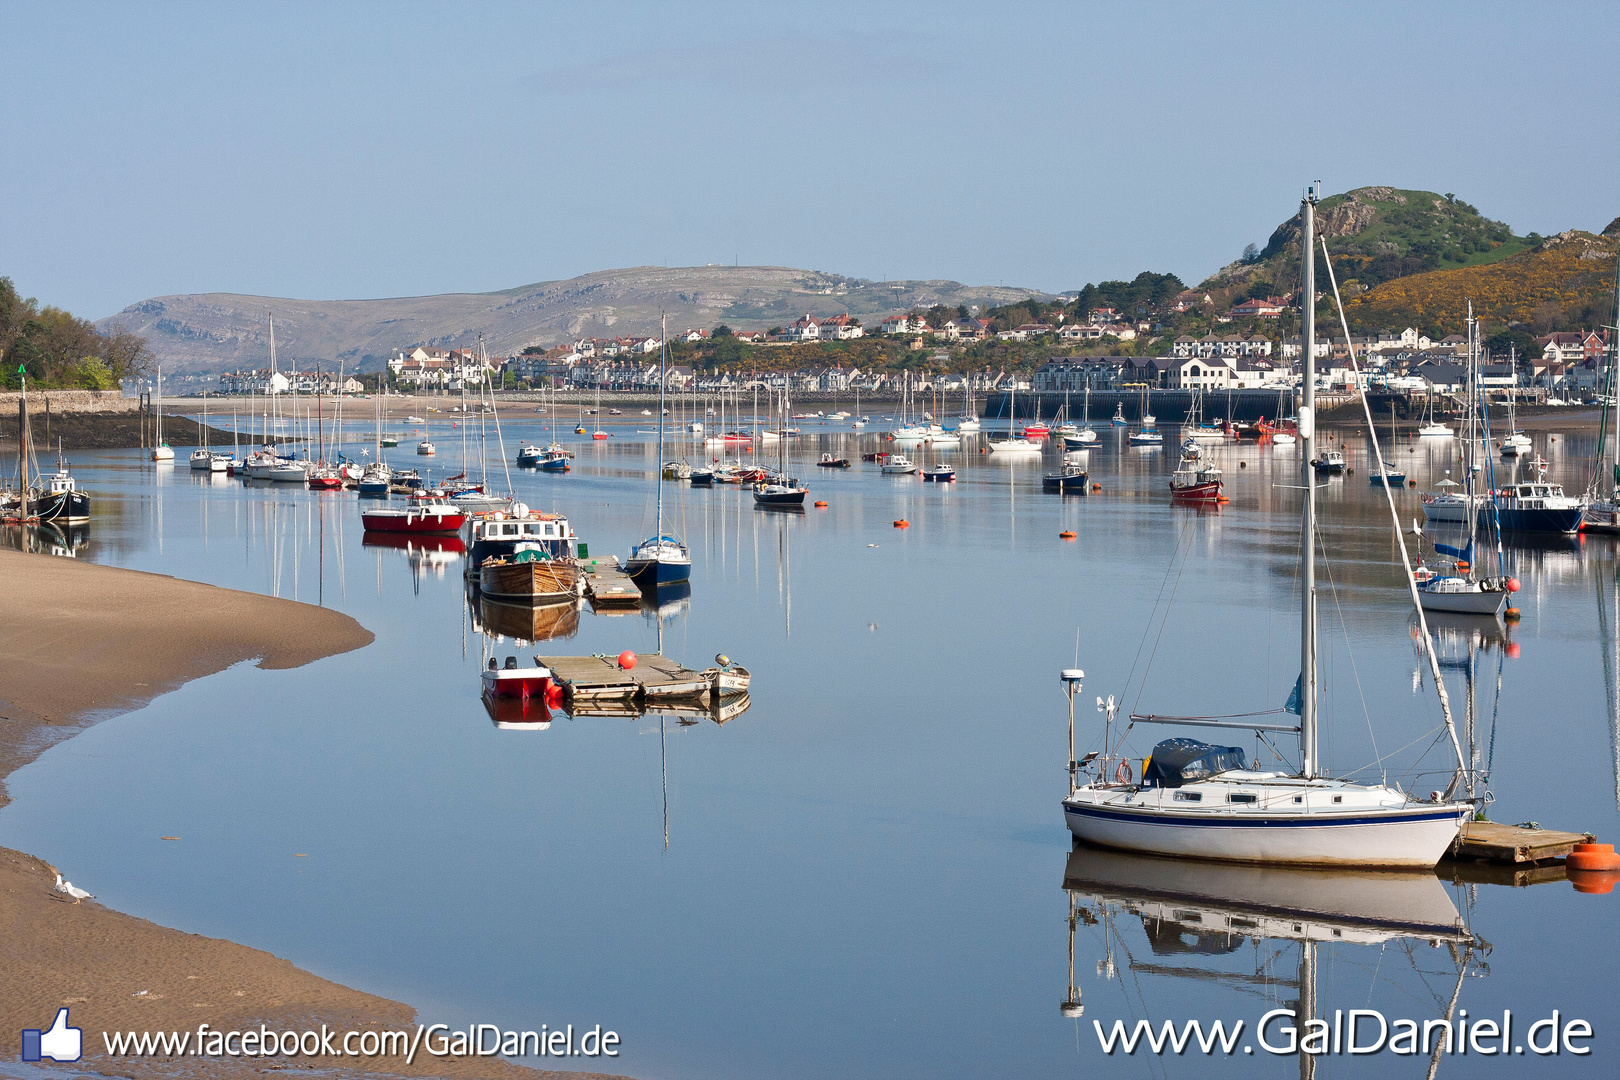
{"x":529,"y":574}
{"x":727,"y":677}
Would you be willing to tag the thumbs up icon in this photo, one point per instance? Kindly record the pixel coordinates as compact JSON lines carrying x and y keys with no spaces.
{"x":60,"y":1043}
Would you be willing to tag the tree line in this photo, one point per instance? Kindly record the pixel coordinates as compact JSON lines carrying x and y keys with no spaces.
{"x":59,"y":350}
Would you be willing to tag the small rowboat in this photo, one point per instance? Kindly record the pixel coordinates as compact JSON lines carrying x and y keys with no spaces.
{"x":728,"y":678}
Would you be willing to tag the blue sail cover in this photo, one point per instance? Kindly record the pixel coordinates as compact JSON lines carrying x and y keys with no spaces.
{"x":1463,"y":554}
{"x":1183,"y":761}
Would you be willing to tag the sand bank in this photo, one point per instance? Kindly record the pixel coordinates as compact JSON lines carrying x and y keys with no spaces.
{"x":79,"y":642}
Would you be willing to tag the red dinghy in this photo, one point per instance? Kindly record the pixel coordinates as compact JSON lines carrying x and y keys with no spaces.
{"x":425,"y":514}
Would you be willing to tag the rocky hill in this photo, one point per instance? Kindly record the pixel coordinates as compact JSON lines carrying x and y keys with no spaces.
{"x":217,"y":331}
{"x":1376,"y":235}
{"x":1565,"y":282}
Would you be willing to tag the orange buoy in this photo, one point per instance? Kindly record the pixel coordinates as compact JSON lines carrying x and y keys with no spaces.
{"x":821,"y":505}
{"x":1592,"y":857}
{"x":1411,"y":483}
{"x":1223,"y":499}
{"x":902,"y":524}
{"x":1066,"y":534}
{"x":627,"y":660}
{"x":1096,"y":487}
{"x":1511,"y":614}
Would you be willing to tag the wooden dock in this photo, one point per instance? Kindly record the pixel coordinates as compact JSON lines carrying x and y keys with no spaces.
{"x":1490,"y":842}
{"x":606,"y":583}
{"x":600,"y":678}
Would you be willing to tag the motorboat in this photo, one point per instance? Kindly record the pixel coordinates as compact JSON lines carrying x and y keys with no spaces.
{"x":938,"y":474}
{"x":1331,"y":463}
{"x":499,"y":535}
{"x":511,"y":681}
{"x":1080,"y":439}
{"x":1537,"y":507}
{"x":1071,"y":478}
{"x":423,"y":514}
{"x":898,"y":465}
{"x":829,"y":462}
{"x":529,"y":455}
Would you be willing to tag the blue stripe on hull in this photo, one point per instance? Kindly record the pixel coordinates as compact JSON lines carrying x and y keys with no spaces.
{"x":1246,"y":821}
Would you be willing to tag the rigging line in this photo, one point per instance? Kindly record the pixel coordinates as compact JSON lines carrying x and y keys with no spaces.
{"x":1183,"y":551}
{"x":1153,"y":613}
{"x":1344,"y":630}
{"x":1463,"y":773}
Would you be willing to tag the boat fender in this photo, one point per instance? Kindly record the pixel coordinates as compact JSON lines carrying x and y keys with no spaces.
{"x":1122,"y":774}
{"x":627,"y":660}
{"x":1512,"y":584}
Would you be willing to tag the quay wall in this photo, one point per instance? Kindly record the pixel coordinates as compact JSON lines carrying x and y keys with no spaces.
{"x":62,"y":402}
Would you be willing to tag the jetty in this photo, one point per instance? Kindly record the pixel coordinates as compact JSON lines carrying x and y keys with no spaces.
{"x":606,"y":583}
{"x":1487,"y":841}
{"x":600,"y":679}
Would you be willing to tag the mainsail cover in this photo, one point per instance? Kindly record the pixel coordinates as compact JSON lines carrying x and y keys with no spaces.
{"x":1183,"y":761}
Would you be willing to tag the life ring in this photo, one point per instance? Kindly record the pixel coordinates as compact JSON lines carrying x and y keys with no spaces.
{"x":1122,"y":774}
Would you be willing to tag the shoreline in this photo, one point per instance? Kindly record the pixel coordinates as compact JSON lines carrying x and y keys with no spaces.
{"x":143,"y":635}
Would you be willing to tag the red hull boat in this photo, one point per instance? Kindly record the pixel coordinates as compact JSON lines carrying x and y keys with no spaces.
{"x":424,"y":515}
{"x":1207,"y":492}
{"x":516,"y":682}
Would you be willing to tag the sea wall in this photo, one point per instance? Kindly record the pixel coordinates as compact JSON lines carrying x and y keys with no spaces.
{"x":69,"y":401}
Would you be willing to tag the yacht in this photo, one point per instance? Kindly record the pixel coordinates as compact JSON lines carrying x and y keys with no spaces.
{"x":898,"y":465}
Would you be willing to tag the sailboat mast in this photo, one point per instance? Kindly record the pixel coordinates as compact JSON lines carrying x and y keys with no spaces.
{"x":663,"y":362}
{"x":1307,"y":434}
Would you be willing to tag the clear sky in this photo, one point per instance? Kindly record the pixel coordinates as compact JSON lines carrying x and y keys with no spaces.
{"x":348,"y":150}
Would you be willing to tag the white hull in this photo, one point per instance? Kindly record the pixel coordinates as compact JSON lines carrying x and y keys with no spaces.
{"x":1014,"y":446}
{"x":1434,"y":431}
{"x":1419,"y":837}
{"x":1468,"y":599}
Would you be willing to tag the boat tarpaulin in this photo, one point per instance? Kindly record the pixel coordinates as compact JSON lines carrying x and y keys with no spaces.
{"x":1183,"y":761}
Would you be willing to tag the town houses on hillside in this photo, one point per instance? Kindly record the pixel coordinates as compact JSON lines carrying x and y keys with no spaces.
{"x":265,"y":381}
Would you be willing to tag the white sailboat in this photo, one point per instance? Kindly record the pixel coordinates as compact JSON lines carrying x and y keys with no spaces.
{"x":1013,"y":443}
{"x":1201,"y":801}
{"x":161,"y":451}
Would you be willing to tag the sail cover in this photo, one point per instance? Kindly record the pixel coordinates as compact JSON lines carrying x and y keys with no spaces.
{"x":1183,"y":761}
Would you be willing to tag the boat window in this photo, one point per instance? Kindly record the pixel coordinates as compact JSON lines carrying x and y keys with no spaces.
{"x":1338,"y":798}
{"x":1299,"y":798}
{"x":1241,"y":798}
{"x":1189,"y":796}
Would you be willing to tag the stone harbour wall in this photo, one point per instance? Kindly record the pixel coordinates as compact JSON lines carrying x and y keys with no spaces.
{"x":69,"y":401}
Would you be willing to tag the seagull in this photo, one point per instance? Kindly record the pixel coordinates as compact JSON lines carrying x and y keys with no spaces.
{"x":72,"y":890}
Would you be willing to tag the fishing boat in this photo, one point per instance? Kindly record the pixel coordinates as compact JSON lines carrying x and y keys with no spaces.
{"x":529,"y":455}
{"x":829,"y":462}
{"x":1195,"y":480}
{"x":58,"y":500}
{"x":1071,"y":478}
{"x":530,"y":574}
{"x":555,"y":459}
{"x":1118,"y":419}
{"x":660,"y":559}
{"x":1536,"y":507}
{"x":1196,"y":800}
{"x":498,"y":535}
{"x":423,"y":514}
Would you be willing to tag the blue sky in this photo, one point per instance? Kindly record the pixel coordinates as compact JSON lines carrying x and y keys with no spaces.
{"x":352,"y":150}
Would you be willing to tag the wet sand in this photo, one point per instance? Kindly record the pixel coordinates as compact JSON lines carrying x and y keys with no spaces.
{"x":80,"y":642}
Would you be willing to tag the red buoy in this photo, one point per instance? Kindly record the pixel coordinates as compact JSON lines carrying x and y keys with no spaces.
{"x":627,"y":660}
{"x":1513,"y":584}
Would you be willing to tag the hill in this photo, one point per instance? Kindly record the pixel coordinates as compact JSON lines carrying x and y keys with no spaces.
{"x":1565,"y":282}
{"x":217,"y":331}
{"x":1376,"y":235}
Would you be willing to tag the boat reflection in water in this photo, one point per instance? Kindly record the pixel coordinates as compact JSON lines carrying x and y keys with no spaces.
{"x":1233,"y":925}
{"x":425,"y":553}
{"x":518,"y":714}
{"x":46,"y":538}
{"x":526,"y":622}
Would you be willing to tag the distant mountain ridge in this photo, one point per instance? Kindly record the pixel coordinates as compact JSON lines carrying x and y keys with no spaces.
{"x":219,"y":331}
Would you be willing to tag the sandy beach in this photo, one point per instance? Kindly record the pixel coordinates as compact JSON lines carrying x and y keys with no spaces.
{"x":141,"y":635}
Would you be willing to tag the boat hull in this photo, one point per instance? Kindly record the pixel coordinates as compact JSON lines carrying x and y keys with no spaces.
{"x":62,"y":507}
{"x":1469,"y":602}
{"x":1201,"y":493}
{"x":650,"y":573}
{"x":538,"y":582}
{"x":1417,"y":837}
{"x":1535,"y":519}
{"x":405,"y":521}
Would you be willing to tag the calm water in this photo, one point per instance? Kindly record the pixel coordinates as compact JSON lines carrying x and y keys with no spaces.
{"x":864,"y":874}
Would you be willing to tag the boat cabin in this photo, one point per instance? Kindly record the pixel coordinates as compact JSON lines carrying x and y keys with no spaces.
{"x":499,"y":534}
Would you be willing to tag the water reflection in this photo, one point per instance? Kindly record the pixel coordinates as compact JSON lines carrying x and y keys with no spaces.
{"x":46,"y":538}
{"x":1264,"y":933}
